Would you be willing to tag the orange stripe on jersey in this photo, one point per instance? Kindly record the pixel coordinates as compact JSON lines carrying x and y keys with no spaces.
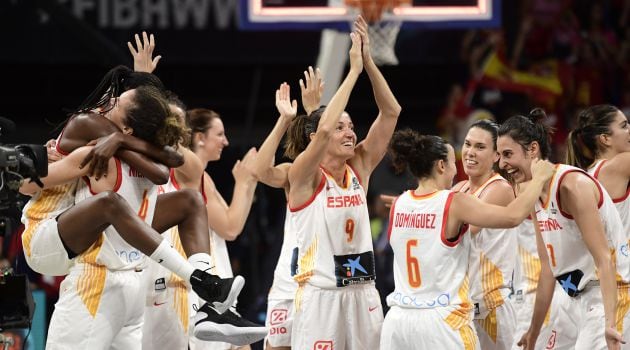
{"x":531,"y":269}
{"x":306,"y":264}
{"x":491,"y":281}
{"x":178,"y":285}
{"x":91,"y":283}
{"x":468,"y":338}
{"x":623,"y":304}
{"x":555,"y":172}
{"x":461,"y":316}
{"x":40,"y":210}
{"x":297,"y":302}
{"x":489,"y":324}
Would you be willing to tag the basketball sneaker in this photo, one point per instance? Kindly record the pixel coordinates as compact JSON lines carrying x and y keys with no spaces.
{"x":221,"y":293}
{"x":228,"y":327}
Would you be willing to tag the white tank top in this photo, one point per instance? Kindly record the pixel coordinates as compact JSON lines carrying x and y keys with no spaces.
{"x":527,"y":269}
{"x":622,"y":204}
{"x":284,"y":286}
{"x":141,"y":194}
{"x":563,"y":239}
{"x":492,"y":261}
{"x":430,"y":272}
{"x":333,"y":235}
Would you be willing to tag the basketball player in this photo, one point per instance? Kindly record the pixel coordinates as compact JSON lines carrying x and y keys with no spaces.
{"x":280,"y":300}
{"x":493,"y":251}
{"x":225,"y":221}
{"x":430,"y":306}
{"x":336,"y":303}
{"x":102,"y":290}
{"x":600,"y":144}
{"x":579,"y":228}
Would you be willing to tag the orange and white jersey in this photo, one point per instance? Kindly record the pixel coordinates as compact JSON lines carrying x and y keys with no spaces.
{"x":527,"y":270}
{"x":571,"y":262}
{"x":492,"y":261}
{"x":45,"y":204}
{"x":284,"y":286}
{"x":622,"y":203}
{"x":111,"y":250}
{"x":333,"y":235}
{"x":430,"y":272}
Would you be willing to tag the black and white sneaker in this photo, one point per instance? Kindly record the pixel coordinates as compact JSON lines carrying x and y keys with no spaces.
{"x":221,"y":293}
{"x":227,"y":327}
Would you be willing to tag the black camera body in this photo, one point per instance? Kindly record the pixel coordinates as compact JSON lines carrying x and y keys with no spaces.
{"x":17,"y":163}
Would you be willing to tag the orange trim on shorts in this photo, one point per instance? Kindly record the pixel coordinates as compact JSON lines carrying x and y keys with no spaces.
{"x":178,"y":285}
{"x":623,"y":304}
{"x":468,"y":337}
{"x":490,"y":325}
{"x":91,"y":283}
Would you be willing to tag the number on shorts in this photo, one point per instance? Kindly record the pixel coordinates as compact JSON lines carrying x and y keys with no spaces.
{"x":552,"y":255}
{"x":144,"y":207}
{"x":349,"y":230}
{"x":413,"y":265}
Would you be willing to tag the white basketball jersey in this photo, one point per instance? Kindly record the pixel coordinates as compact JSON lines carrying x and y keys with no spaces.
{"x":141,"y":194}
{"x":284,"y":286}
{"x":492,"y":261}
{"x":571,"y":262}
{"x":430,"y":272}
{"x":527,"y":269}
{"x":622,"y":204}
{"x":333,"y":235}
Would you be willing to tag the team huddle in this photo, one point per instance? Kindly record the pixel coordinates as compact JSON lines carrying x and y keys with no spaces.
{"x":523,"y":254}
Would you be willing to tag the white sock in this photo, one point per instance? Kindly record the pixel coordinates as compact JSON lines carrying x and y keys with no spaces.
{"x":170,"y":258}
{"x":201,"y":261}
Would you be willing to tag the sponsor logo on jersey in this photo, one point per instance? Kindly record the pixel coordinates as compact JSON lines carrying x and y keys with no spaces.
{"x":441,"y":300}
{"x":323,"y":345}
{"x":354,"y":268}
{"x":278,"y":316}
{"x":160,"y":284}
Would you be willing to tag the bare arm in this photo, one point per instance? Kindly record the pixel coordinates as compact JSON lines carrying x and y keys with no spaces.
{"x":228,"y":221}
{"x":468,"y":209}
{"x":267,"y":173}
{"x":373,"y":148}
{"x":580,"y":199}
{"x":84,"y":128}
{"x":60,"y":172}
{"x":544,"y":291}
{"x":189,"y":174}
{"x":304,"y":176}
{"x":498,"y":193}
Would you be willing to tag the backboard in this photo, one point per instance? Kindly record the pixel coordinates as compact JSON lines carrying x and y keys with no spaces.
{"x":319,"y":14}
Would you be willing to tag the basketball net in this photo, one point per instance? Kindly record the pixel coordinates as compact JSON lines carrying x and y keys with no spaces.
{"x":382,"y":33}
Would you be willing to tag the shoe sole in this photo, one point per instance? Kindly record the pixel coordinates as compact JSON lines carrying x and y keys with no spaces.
{"x":239,"y":336}
{"x":235,"y":290}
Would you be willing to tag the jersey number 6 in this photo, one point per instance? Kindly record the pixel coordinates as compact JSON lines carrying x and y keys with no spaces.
{"x":413,"y":266}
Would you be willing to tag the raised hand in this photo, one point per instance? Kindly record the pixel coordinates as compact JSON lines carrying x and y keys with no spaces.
{"x":312,"y":92}
{"x":103,"y":150}
{"x":542,"y":169}
{"x":361,"y":27}
{"x":286,"y":108}
{"x":243,"y":170}
{"x":51,"y":150}
{"x":143,"y":60}
{"x":356,"y":58}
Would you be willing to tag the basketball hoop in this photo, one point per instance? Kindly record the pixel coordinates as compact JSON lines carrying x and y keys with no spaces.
{"x":382,"y":32}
